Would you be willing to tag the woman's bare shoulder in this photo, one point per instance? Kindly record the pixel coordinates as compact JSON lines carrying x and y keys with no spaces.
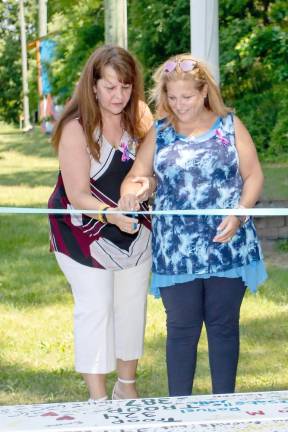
{"x":73,"y":134}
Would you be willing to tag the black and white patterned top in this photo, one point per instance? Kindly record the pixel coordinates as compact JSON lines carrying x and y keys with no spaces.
{"x":88,"y":241}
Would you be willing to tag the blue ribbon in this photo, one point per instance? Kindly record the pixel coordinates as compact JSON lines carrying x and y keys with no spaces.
{"x":195,"y":212}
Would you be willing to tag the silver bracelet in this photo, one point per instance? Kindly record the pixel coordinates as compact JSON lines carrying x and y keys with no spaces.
{"x":242,"y":218}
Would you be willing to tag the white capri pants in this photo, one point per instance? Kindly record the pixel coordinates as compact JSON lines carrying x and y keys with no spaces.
{"x":109,"y":313}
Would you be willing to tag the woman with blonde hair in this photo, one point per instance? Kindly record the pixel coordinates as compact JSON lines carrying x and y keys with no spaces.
{"x":106,"y":258}
{"x":203,"y":157}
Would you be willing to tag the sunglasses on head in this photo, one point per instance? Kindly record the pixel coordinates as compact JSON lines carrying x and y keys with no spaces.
{"x":185,"y":65}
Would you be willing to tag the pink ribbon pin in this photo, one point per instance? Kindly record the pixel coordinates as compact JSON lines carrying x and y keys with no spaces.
{"x":221,"y":138}
{"x":125,"y":154}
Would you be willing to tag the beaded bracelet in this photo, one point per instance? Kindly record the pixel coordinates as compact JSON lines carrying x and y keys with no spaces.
{"x":102,"y":217}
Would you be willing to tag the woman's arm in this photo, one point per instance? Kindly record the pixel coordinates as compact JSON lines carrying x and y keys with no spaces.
{"x":140,"y":183}
{"x":251,"y":173}
{"x":74,"y":162}
{"x":250,"y":168}
{"x":146,"y":117}
{"x":75,"y":167}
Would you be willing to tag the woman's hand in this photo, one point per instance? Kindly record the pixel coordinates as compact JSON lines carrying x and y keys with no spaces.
{"x":129,"y":202}
{"x":227,"y":229}
{"x":147,"y":187}
{"x":126,"y":224}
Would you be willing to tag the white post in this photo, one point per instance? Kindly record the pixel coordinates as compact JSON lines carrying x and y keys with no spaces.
{"x":42,"y":18}
{"x":116,"y":22}
{"x":205,"y":33}
{"x":42,"y":31}
{"x":27,"y":125}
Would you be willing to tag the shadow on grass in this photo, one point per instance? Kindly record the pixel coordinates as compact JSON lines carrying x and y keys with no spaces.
{"x":30,"y":144}
{"x":12,"y":132}
{"x":275,"y":288}
{"x":262,"y":363}
{"x":257,"y":371}
{"x":21,"y":384}
{"x":152,"y":380}
{"x":263,"y":354}
{"x":30,"y":178}
{"x":29,"y":274}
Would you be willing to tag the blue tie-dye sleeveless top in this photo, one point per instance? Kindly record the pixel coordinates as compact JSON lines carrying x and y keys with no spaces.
{"x":198,"y":173}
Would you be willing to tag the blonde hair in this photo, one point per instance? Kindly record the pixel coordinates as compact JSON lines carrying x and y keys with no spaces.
{"x":84,"y":105}
{"x":199,"y":75}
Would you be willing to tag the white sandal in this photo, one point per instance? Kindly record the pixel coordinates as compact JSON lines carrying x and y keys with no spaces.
{"x":94,"y":401}
{"x":115,"y":395}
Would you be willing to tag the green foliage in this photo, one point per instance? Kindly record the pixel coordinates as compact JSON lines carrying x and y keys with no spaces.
{"x":158,"y":30}
{"x":283,"y":246}
{"x":254,"y":67}
{"x":10,"y":83}
{"x":10,"y":56}
{"x":253,"y":54}
{"x":279,"y":133}
{"x":259,"y":113}
{"x":84,"y":31}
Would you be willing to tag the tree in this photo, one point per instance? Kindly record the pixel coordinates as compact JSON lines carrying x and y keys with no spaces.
{"x":80,"y":29}
{"x":253,"y":47}
{"x":10,"y":54}
{"x":157,"y":30}
{"x":10,"y":57}
{"x":253,"y":54}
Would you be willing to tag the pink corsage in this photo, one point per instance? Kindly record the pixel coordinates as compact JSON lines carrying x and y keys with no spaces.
{"x":125,"y":154}
{"x":221,"y":138}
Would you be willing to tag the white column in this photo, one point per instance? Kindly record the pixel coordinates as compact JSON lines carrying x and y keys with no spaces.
{"x":27,"y":125}
{"x":116,"y":22}
{"x":205,"y":33}
{"x":42,"y":18}
{"x":42,"y":32}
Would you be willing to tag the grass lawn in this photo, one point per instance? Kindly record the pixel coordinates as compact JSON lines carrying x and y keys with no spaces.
{"x":276,"y":181}
{"x":36,"y":339}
